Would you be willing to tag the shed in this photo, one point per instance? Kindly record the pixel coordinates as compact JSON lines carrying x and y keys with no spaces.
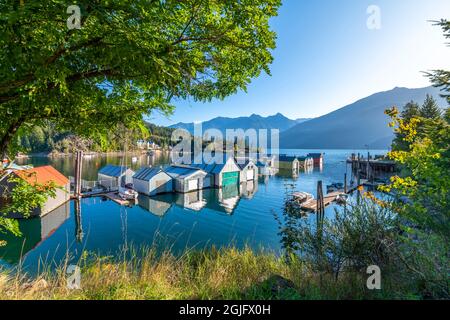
{"x":185,"y":178}
{"x":152,"y":181}
{"x":286,"y":162}
{"x":249,"y":171}
{"x":113,"y":177}
{"x":45,"y":175}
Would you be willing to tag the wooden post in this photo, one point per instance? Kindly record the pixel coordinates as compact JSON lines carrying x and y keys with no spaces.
{"x":368,"y":167}
{"x":345,"y":183}
{"x":78,"y":223}
{"x":320,"y":201}
{"x":78,"y":170}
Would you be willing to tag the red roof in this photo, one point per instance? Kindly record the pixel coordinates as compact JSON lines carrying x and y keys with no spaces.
{"x":43,"y":176}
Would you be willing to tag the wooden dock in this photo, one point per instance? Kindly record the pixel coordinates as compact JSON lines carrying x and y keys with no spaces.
{"x":114,"y":196}
{"x":311,"y":205}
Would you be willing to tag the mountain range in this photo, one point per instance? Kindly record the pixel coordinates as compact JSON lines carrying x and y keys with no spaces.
{"x":254,"y":121}
{"x":356,"y":126}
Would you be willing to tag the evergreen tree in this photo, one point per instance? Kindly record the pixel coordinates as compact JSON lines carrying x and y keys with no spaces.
{"x":430,"y":109}
{"x":411,"y":110}
{"x":447,"y":115}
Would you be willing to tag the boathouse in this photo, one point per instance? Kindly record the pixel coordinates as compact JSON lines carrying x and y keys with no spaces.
{"x":152,"y":181}
{"x":286,"y":162}
{"x":317,"y":158}
{"x":186,"y":178}
{"x":40,"y":176}
{"x":113,"y":177}
{"x":249,"y":171}
{"x":221,"y":175}
{"x":305,"y":162}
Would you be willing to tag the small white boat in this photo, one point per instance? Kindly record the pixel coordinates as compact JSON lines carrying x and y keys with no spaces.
{"x":134,"y":159}
{"x":302,"y":197}
{"x":128,"y":194}
{"x":342,"y":198}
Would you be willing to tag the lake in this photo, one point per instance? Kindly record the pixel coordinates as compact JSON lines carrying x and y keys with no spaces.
{"x":239,"y":216}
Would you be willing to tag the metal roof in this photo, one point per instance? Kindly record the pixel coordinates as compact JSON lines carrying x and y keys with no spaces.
{"x":147,"y":173}
{"x":183,"y":172}
{"x":242,"y":166}
{"x":113,"y":171}
{"x":286,"y":158}
{"x":43,"y":176}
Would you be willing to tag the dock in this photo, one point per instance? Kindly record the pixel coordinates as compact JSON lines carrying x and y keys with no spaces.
{"x":329,"y":198}
{"x":114,"y":196}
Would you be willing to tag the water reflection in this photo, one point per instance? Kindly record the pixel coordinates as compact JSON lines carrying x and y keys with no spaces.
{"x":223,"y":200}
{"x":35,"y":231}
{"x":241,"y":214}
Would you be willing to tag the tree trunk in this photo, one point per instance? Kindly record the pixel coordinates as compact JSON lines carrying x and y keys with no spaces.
{"x":6,"y":139}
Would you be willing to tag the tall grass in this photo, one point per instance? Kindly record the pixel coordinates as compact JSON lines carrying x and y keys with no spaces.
{"x":227,"y":273}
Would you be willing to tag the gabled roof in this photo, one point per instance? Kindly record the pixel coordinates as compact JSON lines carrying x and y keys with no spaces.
{"x":211,"y":166}
{"x":42,"y":176}
{"x":183,"y":172}
{"x":286,"y":158}
{"x":244,"y":165}
{"x":315,"y":155}
{"x":147,"y":173}
{"x":113,"y":171}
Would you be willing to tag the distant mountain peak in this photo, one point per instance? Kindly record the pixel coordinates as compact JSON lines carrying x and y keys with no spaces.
{"x":356,"y":125}
{"x":254,"y":121}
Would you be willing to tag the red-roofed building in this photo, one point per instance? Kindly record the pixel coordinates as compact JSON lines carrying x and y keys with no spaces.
{"x":41,"y":176}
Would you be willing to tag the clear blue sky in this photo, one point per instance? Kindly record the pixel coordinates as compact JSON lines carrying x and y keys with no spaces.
{"x":326,"y":58}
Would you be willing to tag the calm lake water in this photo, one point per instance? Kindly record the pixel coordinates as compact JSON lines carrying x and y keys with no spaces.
{"x":238,"y":216}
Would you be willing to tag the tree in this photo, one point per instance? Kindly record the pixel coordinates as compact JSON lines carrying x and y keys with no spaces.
{"x":21,"y":199}
{"x":441,"y":78}
{"x":426,"y":180}
{"x":430,"y":109}
{"x":411,"y":110}
{"x":129,"y":58}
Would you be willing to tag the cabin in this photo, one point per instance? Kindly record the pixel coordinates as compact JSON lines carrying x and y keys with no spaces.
{"x":290,"y":163}
{"x":305,"y":162}
{"x":113,"y":177}
{"x":152,"y":181}
{"x":45,"y":175}
{"x":249,"y":171}
{"x":317,"y":158}
{"x":185,"y":178}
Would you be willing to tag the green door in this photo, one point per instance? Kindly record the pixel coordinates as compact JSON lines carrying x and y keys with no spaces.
{"x":230,"y":178}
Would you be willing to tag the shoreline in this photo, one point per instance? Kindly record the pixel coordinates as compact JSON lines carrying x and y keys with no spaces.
{"x":87,"y":153}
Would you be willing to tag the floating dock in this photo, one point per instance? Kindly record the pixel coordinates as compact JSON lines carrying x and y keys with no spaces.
{"x":311,"y":205}
{"x":114,"y":196}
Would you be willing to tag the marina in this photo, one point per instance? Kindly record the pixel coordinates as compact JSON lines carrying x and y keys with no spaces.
{"x":242,"y":214}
